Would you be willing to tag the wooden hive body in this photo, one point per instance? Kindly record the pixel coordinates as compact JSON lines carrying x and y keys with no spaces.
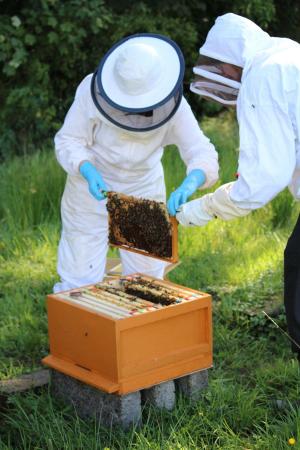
{"x":132,"y":353}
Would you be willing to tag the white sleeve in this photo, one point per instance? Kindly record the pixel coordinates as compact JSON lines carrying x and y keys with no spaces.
{"x":195,"y":148}
{"x":219,"y":204}
{"x":72,"y":140}
{"x":267,"y":154}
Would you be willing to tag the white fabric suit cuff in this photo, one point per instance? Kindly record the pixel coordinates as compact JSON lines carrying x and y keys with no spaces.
{"x":219,"y":204}
{"x":202,"y":210}
{"x":192,"y":214}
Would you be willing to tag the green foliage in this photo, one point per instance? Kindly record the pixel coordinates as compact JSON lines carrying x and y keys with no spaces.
{"x":286,"y":21}
{"x":230,"y":416}
{"x":30,"y":191}
{"x":261,"y":12}
{"x":244,"y":307}
{"x":48,"y":46}
{"x":239,"y":262}
{"x":282,"y":207}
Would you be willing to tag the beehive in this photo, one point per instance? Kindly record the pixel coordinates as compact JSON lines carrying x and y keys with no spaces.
{"x":142,"y":226}
{"x":118,"y":349}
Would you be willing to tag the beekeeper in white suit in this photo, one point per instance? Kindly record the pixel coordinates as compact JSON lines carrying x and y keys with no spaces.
{"x":241,"y":64}
{"x":112,"y":139}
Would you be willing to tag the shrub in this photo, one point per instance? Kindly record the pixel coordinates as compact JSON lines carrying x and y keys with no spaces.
{"x":46,"y":48}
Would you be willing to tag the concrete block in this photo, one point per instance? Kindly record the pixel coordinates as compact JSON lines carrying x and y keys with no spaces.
{"x":89,"y":402}
{"x":192,"y":385}
{"x":161,"y":396}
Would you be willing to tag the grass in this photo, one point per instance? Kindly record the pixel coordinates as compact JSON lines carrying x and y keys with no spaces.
{"x":239,"y":262}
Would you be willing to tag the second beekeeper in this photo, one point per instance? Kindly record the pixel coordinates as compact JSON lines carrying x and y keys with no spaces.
{"x":112,"y":139}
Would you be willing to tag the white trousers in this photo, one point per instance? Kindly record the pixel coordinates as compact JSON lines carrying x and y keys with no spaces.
{"x":84,"y":240}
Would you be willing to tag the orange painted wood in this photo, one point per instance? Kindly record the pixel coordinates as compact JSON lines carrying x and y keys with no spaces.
{"x":127,"y":354}
{"x":174,"y":223}
{"x":82,"y":336}
{"x":81,"y":374}
{"x":165,"y":373}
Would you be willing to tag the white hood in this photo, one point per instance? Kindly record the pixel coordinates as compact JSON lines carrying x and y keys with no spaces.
{"x":235,"y":40}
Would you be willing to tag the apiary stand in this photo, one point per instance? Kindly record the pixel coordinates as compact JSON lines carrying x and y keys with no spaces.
{"x":124,"y":410}
{"x":107,"y":368}
{"x":89,"y":402}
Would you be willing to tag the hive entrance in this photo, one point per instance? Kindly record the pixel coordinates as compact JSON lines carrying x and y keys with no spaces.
{"x":142,"y":226}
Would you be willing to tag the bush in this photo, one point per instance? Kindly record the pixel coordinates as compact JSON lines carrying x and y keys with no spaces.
{"x":48,"y":46}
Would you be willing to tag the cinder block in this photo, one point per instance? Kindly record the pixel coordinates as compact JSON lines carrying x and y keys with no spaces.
{"x":162,"y":395}
{"x":193,"y":384}
{"x":89,"y":402}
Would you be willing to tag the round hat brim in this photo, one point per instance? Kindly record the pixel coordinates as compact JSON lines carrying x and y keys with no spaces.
{"x":172,"y":70}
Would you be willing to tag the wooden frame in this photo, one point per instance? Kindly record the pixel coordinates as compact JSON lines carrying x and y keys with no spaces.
{"x":174,"y":230}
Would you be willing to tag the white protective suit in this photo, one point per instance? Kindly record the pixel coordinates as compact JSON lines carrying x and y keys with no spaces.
{"x":129,"y":162}
{"x":268,"y":112}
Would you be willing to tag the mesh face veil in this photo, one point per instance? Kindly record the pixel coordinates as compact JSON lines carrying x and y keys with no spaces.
{"x":146,"y":119}
{"x":138,"y":84}
{"x":216,"y":91}
{"x":211,"y":81}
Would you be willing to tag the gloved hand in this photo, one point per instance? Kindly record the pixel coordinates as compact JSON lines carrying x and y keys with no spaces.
{"x":97,"y":186}
{"x":193,"y":213}
{"x":193,"y":181}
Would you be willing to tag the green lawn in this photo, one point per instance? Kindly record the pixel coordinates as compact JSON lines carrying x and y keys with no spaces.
{"x":239,"y":262}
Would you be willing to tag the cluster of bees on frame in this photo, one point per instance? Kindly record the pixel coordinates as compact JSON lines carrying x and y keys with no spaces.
{"x":139,"y":223}
{"x":129,"y":296}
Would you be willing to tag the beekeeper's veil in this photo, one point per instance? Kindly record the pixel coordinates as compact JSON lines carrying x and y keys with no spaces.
{"x":138,"y":84}
{"x":235,"y":40}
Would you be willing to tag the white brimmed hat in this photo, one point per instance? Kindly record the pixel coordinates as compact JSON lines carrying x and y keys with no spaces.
{"x":138,"y":83}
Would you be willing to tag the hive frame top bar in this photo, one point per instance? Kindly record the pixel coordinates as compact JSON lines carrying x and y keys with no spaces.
{"x":174,"y":232}
{"x":118,"y":304}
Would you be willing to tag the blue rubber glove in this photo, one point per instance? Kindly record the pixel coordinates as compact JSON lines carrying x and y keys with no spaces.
{"x":190,"y":184}
{"x":97,"y":186}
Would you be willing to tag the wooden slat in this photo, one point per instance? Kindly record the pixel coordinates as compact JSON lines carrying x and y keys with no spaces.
{"x":25,"y":382}
{"x":114,"y":267}
{"x":82,"y":374}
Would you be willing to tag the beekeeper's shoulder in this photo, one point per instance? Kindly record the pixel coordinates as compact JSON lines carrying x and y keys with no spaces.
{"x":264,"y":84}
{"x":83,"y":90}
{"x":184,"y":105}
{"x":182,"y":110}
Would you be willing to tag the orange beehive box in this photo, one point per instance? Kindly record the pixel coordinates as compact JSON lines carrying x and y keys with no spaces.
{"x":122,"y":355}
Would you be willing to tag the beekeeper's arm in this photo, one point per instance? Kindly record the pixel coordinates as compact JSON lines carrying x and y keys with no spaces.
{"x":266,"y":164}
{"x":73,"y":140}
{"x":196,"y":151}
